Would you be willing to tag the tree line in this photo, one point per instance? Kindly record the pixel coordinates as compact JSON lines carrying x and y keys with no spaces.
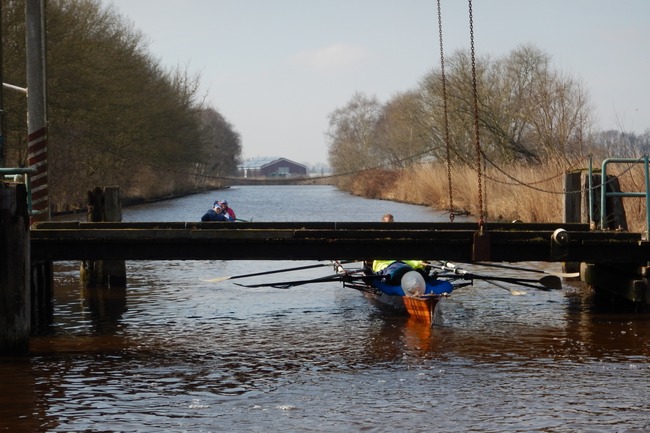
{"x":527,"y":113}
{"x":115,"y":115}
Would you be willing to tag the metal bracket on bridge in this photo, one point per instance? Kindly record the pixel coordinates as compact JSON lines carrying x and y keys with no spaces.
{"x":559,"y":244}
{"x":481,"y":246}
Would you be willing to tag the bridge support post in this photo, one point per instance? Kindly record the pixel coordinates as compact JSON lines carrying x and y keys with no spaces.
{"x":42,"y":294}
{"x":104,"y":205}
{"x":581,"y":204}
{"x":609,"y":281}
{"x":577,"y":202}
{"x":576,"y":205}
{"x":15,"y":324}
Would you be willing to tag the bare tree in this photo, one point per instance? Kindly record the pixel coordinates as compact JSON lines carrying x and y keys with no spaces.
{"x":221,"y":147}
{"x":402,"y":133}
{"x":352,"y":135}
{"x":115,"y":115}
{"x":527,"y":111}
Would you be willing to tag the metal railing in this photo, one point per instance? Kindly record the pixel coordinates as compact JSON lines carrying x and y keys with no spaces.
{"x":604,"y":194}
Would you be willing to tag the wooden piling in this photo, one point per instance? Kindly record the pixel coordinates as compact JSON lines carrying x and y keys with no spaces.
{"x":15,"y":326}
{"x":577,"y":201}
{"x":42,"y":295}
{"x":104,"y":205}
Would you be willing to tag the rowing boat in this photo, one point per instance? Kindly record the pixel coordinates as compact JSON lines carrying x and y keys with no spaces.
{"x":415,"y":293}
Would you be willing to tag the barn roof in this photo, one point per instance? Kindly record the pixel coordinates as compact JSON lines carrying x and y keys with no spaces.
{"x":258,"y":163}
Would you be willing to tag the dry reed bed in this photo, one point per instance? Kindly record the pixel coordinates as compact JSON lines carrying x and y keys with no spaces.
{"x":529,"y":193}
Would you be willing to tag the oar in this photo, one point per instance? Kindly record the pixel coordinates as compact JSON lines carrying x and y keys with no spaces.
{"x":348,"y":277}
{"x":288,"y":284}
{"x":550,"y":282}
{"x":277,"y":271}
{"x":539,"y":271}
{"x":511,"y":290}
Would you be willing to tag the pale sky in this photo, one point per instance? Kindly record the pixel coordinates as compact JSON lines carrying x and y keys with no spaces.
{"x":275,"y":69}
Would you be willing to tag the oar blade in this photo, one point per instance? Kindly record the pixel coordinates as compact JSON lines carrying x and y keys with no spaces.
{"x":216,"y":280}
{"x":552,"y":282}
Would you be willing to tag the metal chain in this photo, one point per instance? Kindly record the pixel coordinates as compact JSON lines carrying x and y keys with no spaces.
{"x":444,"y":104}
{"x":481,"y":220}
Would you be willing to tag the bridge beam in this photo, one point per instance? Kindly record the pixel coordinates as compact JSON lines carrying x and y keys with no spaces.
{"x":319,"y":241}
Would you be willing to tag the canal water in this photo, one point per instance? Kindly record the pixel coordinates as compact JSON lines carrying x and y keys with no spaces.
{"x":174,"y":352}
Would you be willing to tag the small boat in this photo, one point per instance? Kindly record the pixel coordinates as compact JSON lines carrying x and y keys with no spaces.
{"x":416,"y":293}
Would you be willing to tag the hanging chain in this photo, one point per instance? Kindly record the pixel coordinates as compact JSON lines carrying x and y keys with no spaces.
{"x":444,"y":104}
{"x":481,"y":221}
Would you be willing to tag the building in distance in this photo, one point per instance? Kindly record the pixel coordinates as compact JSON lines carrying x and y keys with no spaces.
{"x":271,"y":168}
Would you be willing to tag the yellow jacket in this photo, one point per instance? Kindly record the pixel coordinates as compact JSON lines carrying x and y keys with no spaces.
{"x":378,"y":265}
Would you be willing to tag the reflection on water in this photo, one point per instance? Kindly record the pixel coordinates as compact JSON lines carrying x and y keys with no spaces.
{"x":176,"y":353}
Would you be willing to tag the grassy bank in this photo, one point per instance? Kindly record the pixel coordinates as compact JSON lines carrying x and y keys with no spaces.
{"x":523,"y":192}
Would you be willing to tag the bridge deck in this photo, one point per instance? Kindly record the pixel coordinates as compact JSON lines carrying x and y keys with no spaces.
{"x":518,"y":242}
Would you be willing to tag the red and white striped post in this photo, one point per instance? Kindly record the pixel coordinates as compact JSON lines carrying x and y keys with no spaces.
{"x":37,"y":158}
{"x":36,"y":108}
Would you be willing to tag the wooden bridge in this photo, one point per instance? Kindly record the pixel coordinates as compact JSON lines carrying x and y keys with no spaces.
{"x":611,"y":260}
{"x":614,"y":262}
{"x":517,"y":242}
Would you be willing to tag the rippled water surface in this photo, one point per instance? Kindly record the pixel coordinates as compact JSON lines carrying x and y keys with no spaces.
{"x":173,"y":352}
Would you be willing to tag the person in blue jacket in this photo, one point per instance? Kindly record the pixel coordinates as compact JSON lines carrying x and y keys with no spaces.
{"x":214,"y":214}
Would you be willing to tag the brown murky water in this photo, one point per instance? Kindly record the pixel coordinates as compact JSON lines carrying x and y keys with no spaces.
{"x":174,"y":353}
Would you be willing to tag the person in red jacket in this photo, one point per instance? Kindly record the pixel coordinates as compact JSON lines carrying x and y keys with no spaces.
{"x":227,"y":210}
